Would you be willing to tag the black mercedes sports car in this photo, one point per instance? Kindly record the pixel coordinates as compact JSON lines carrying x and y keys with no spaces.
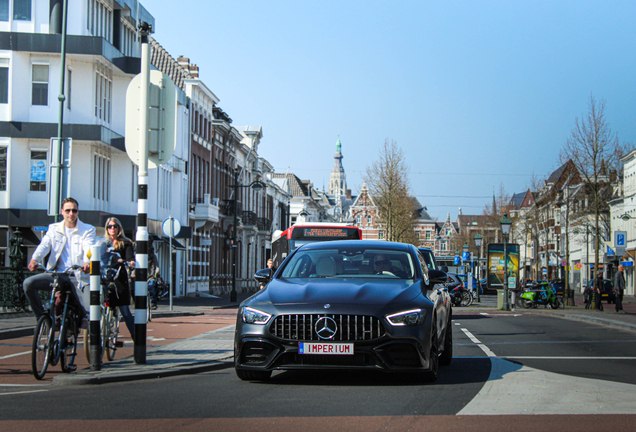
{"x":352,"y":304}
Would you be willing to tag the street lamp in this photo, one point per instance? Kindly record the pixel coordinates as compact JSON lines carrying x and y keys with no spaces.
{"x":505,"y":224}
{"x":256,"y":185}
{"x":478,"y":239}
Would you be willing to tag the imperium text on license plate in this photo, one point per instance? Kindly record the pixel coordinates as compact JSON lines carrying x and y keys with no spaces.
{"x":325,"y":348}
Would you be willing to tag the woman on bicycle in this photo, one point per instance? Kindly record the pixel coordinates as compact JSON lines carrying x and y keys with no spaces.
{"x":124,"y":247}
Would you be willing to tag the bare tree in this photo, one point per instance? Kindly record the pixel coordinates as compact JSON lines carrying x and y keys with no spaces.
{"x":388,"y":183}
{"x":595,"y":151}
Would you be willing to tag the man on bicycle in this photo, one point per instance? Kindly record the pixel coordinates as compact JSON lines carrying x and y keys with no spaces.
{"x":66,"y":243}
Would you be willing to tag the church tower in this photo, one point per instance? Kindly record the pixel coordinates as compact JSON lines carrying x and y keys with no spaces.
{"x":337,"y":179}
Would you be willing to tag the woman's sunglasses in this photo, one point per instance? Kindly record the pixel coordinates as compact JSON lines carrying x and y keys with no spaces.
{"x":112,"y":226}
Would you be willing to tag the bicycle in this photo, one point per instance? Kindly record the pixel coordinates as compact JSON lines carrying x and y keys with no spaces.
{"x":109,"y":317}
{"x":47,"y":349}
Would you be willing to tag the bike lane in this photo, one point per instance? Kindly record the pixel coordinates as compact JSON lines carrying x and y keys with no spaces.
{"x":15,"y":354}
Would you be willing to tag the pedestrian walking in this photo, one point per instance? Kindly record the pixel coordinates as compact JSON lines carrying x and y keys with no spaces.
{"x":598,"y":290}
{"x":619,"y":287}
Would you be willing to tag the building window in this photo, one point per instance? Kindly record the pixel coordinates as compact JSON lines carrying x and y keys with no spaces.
{"x":381,"y":235}
{"x":135,"y":174}
{"x":22,"y":10}
{"x":428,"y":234}
{"x":68,"y":90}
{"x":4,"y":10}
{"x":103,"y":93}
{"x":3,"y":169}
{"x":101,"y":175}
{"x":40,"y":87}
{"x":38,"y":171}
{"x":4,"y":81}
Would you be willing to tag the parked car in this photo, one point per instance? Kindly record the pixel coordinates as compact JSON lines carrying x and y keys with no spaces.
{"x":429,"y":257}
{"x":608,"y":293}
{"x":363,"y":305}
{"x":484,"y":287}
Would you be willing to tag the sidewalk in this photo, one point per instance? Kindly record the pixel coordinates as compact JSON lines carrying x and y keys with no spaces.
{"x":214,"y":350}
{"x":13,"y":325}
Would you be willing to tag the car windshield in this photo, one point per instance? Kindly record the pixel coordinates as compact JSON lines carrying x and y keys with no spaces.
{"x":350,"y":262}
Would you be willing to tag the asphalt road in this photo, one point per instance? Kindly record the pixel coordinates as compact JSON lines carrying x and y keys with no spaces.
{"x":505,"y":366}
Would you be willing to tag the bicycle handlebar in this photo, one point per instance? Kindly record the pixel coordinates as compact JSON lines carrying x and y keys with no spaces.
{"x":68,"y":270}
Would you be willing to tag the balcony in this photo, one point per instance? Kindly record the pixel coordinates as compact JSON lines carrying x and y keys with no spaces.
{"x":206,"y":212}
{"x":249,"y":218}
{"x":263,"y":224}
{"x":228,"y":208}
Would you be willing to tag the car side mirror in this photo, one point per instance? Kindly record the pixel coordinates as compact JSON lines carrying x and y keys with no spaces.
{"x":264,"y":276}
{"x":437,"y":277}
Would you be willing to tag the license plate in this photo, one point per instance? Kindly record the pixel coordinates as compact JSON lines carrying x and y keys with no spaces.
{"x":325,"y":348}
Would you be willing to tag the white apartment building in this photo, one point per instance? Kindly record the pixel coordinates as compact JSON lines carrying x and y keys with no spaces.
{"x":102,"y":58}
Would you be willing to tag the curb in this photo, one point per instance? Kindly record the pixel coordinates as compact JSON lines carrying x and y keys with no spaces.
{"x":15,"y":333}
{"x":588,"y":319}
{"x":101,"y":377}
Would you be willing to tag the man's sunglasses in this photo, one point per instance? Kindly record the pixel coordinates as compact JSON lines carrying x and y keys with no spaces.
{"x":381,"y":262}
{"x":112,"y":226}
{"x":71,"y":210}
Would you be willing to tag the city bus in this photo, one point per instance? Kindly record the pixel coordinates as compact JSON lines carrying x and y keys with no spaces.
{"x":309,"y":232}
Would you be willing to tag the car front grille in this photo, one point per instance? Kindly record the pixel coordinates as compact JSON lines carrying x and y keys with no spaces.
{"x":349,"y":327}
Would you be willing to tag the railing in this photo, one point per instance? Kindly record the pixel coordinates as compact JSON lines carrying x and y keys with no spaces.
{"x":228,"y":207}
{"x":249,"y":218}
{"x":263,"y":224}
{"x":11,"y":294}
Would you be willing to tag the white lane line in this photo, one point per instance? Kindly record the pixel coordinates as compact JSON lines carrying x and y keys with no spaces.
{"x":15,"y":355}
{"x":483,"y":347}
{"x":22,"y":392}
{"x":565,"y":358}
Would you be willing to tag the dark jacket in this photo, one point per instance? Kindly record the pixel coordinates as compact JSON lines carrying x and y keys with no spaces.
{"x":598,"y":285}
{"x":122,"y":296}
{"x":619,"y":283}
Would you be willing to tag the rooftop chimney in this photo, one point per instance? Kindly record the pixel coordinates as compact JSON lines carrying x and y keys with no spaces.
{"x":184,"y":62}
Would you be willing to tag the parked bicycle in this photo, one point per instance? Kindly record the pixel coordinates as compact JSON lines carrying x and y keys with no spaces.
{"x":51,"y":347}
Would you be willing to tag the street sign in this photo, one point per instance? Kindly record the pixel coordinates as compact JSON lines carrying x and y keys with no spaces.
{"x":60,"y":174}
{"x":465,"y":256}
{"x":40,"y":228}
{"x":206,"y":242}
{"x":171,"y":229}
{"x":162,"y":119}
{"x":620,"y":238}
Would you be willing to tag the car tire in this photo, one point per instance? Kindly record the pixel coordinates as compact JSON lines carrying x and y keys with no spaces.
{"x":251,"y":375}
{"x":447,"y":355}
{"x":431,"y":375}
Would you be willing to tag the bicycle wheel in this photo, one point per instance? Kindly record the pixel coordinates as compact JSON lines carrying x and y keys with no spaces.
{"x":112,"y":332}
{"x":466,"y":299}
{"x":68,"y":345}
{"x":87,"y":345}
{"x":40,"y":350}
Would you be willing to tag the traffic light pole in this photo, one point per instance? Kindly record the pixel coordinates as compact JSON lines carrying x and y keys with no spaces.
{"x":141,"y":238}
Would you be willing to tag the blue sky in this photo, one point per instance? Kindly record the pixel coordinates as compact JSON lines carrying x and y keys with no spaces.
{"x":477,"y":94}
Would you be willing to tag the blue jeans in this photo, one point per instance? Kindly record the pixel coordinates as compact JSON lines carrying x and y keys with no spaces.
{"x":128,"y":319}
{"x":152,"y":291}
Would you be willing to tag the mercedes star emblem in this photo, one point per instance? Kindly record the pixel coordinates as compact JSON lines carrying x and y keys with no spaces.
{"x":326,"y":328}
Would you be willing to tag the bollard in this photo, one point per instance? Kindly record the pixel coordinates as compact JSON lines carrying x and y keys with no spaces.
{"x":95,"y":310}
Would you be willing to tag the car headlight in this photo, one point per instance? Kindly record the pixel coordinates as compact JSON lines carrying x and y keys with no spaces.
{"x":254,"y":316}
{"x":407,"y":318}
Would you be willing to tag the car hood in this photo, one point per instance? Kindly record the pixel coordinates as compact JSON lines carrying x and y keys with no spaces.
{"x":281,"y":292}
